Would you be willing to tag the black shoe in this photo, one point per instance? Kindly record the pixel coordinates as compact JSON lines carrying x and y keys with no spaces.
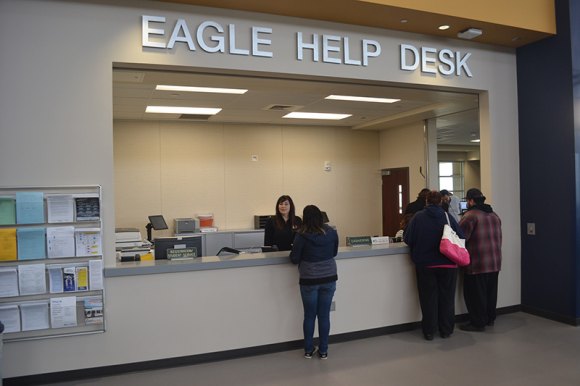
{"x":491,"y":323}
{"x":471,"y":327}
{"x":309,"y":354}
{"x":428,"y":336}
{"x":444,"y":335}
{"x":323,"y":355}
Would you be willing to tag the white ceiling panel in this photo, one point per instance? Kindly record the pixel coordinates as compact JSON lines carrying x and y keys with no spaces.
{"x":456,"y":113}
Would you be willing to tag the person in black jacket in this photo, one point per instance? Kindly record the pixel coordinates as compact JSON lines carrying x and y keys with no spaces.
{"x":418,"y":204}
{"x":281,"y":228}
{"x":314,"y":249}
{"x":436,"y":274}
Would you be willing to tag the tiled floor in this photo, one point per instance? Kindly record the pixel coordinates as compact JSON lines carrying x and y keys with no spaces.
{"x":521,"y":349}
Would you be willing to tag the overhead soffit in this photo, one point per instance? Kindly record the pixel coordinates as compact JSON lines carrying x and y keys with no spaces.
{"x":513,"y":23}
{"x":456,"y":114}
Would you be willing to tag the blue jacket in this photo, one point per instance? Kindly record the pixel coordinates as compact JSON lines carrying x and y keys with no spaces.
{"x":314,"y":253}
{"x":423,"y":236}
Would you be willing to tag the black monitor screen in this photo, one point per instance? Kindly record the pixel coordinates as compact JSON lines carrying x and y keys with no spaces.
{"x":164,"y":243}
{"x":158,"y":222}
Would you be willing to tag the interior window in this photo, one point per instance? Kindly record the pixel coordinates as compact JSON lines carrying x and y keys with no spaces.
{"x":451,"y":177}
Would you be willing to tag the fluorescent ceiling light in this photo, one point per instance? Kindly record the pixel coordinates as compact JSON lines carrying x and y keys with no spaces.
{"x":182,"y":110}
{"x":443,"y":27}
{"x":164,"y":87}
{"x":361,"y":99}
{"x":475,"y":140}
{"x":299,"y":115}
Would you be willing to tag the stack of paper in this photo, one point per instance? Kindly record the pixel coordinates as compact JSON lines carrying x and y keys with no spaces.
{"x":128,"y":242}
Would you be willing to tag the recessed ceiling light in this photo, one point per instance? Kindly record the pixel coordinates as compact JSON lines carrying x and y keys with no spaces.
{"x":299,"y":115}
{"x":361,"y":99}
{"x":164,"y":87}
{"x":182,"y":110}
{"x":475,"y":140}
{"x":444,"y":27}
{"x":404,"y":21}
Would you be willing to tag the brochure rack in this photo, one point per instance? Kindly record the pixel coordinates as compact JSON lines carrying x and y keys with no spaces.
{"x":51,"y":262}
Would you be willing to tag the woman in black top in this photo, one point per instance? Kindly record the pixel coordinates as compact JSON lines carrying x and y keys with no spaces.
{"x":280,"y":229}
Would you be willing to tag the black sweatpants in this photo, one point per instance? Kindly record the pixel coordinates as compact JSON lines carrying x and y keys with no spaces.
{"x":437,"y":298}
{"x":480,"y":294}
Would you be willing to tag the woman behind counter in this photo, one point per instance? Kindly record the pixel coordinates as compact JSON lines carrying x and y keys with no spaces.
{"x":281,"y":229}
{"x":314,"y":249}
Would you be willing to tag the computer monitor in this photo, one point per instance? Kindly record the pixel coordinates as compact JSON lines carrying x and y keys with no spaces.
{"x":463,"y":206}
{"x":162,"y":244}
{"x":156,"y":222}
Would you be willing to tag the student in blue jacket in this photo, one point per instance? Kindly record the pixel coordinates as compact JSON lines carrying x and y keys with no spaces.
{"x":314,"y":249}
{"x":436,"y":274}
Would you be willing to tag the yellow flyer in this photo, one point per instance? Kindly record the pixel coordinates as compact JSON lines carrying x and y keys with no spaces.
{"x":82,"y":279}
{"x":8,"y":244}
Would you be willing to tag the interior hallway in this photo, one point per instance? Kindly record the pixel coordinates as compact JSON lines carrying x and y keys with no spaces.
{"x":521,"y":349}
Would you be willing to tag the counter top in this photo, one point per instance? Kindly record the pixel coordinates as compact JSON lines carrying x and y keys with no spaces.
{"x":133,"y":268}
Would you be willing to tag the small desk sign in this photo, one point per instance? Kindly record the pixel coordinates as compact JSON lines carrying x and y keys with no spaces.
{"x":377,"y":240}
{"x":181,"y":253}
{"x":355,"y":241}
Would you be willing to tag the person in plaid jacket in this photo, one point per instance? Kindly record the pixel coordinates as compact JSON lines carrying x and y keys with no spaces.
{"x":482,"y":230}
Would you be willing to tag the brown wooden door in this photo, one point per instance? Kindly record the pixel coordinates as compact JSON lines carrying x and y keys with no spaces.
{"x":395,"y":198}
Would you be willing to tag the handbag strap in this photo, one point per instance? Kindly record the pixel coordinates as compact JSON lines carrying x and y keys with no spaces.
{"x":446,"y":215}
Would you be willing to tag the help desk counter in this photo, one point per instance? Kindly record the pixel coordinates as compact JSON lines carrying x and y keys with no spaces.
{"x":218,"y":303}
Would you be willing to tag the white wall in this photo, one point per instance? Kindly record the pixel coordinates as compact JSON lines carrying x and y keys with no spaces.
{"x":182,"y":169}
{"x":404,"y":146}
{"x":56,"y":128}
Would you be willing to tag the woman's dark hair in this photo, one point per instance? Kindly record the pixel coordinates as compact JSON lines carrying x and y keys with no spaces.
{"x":434,"y":198}
{"x":291,"y":214}
{"x":405,"y":220}
{"x":312,"y":220}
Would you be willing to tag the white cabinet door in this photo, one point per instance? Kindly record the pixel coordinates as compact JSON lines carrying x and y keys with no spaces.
{"x":216,"y":241}
{"x":248,"y":239}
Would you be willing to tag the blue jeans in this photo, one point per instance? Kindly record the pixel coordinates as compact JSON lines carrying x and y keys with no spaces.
{"x":317,"y":300}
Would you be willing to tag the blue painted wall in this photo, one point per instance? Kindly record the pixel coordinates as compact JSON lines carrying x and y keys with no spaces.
{"x":575,"y":40}
{"x":549,"y":171}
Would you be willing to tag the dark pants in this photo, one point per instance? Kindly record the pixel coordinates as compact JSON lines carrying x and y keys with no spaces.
{"x":437,"y":298}
{"x":480,"y":294}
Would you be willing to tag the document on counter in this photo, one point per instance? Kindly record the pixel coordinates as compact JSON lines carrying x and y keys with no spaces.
{"x":63,"y":312}
{"x":8,"y":246}
{"x":55,"y":279}
{"x":95,"y":275}
{"x":31,"y":279}
{"x":29,"y":207}
{"x":88,"y":241}
{"x":34,"y":315}
{"x":7,"y":210}
{"x":10,"y":317}
{"x":31,"y":243}
{"x":60,"y":208}
{"x":8,"y":282}
{"x":60,"y":242}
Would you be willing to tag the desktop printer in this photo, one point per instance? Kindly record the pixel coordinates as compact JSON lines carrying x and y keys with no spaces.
{"x":186,"y":225}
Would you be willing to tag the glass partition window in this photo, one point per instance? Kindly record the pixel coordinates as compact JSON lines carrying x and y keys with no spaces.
{"x":451,"y":177}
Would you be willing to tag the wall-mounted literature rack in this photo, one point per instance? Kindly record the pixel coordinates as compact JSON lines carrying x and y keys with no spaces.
{"x":51,"y":262}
